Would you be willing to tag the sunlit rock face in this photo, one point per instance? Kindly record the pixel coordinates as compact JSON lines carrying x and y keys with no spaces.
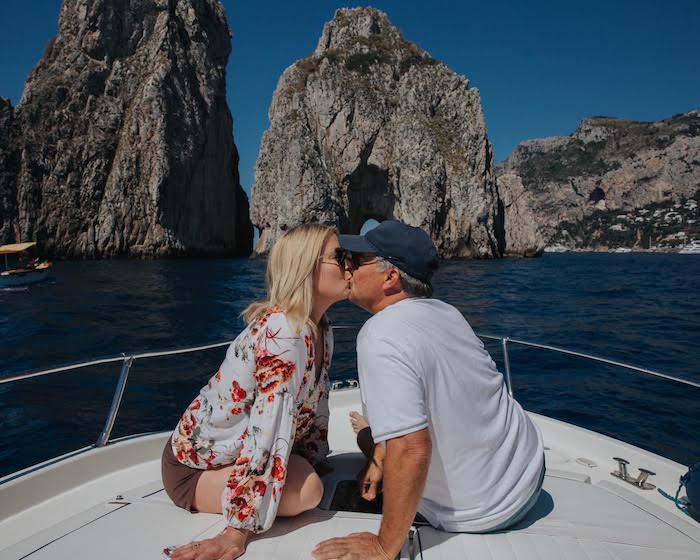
{"x":126,"y":137}
{"x":370,"y":126}
{"x":522,"y":234}
{"x":611,"y":169}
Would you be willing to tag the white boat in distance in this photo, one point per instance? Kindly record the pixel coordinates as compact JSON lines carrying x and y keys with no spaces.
{"x":556,"y":249}
{"x":602,"y":499}
{"x":693,"y":248}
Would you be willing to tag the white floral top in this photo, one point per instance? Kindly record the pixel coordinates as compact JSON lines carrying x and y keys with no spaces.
{"x":263,"y":401}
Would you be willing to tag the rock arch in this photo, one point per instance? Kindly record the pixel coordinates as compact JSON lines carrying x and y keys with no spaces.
{"x":371,"y":126}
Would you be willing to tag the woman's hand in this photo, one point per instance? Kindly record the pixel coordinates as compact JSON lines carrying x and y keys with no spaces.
{"x":227,"y":545}
{"x":370,"y":480}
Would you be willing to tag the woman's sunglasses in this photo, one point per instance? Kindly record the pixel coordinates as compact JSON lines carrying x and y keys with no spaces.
{"x":341,"y":257}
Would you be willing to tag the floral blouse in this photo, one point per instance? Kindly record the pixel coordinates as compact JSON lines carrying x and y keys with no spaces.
{"x":263,"y":404}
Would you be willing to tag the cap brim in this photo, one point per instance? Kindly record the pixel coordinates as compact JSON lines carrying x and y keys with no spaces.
{"x":356,"y":244}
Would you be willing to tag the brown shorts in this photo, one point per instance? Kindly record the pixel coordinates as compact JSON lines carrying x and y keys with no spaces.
{"x":180,"y":481}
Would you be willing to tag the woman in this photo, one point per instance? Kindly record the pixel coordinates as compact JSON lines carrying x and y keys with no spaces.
{"x":248,"y":444}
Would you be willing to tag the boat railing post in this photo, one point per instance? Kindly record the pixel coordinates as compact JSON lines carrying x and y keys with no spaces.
{"x":116,"y":402}
{"x":506,"y":363}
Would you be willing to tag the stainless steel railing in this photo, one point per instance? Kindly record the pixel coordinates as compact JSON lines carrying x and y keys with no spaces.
{"x":127,"y":362}
{"x":505,"y":341}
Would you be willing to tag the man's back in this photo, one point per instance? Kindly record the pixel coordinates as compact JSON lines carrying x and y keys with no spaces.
{"x":421,"y":365}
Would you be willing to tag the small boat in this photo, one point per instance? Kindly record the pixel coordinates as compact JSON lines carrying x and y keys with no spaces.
{"x":107,"y":500}
{"x":556,"y":249}
{"x":622,"y":250}
{"x":27,"y":271}
{"x":693,"y":248}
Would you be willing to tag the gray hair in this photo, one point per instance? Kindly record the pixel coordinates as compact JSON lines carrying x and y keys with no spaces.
{"x":412,"y":286}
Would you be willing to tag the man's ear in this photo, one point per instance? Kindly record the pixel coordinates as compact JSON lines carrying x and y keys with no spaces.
{"x":392,"y":283}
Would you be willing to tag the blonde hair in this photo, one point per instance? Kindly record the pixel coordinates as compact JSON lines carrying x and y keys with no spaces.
{"x":290,"y":275}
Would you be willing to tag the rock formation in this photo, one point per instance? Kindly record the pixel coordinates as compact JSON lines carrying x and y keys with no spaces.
{"x":126,"y":142}
{"x":522,"y":236}
{"x":9,"y":169}
{"x":371,"y":126}
{"x":607,"y":168}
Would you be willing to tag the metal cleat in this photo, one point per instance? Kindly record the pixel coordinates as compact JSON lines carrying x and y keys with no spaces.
{"x":639,"y":482}
{"x":622,"y":472}
{"x":641,"y":479}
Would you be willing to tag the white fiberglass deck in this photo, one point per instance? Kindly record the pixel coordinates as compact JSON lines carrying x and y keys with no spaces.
{"x":109,"y":503}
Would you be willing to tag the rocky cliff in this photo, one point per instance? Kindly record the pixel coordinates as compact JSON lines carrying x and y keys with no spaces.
{"x":371,"y":126}
{"x":613,"y":182}
{"x":9,"y":170}
{"x":522,"y":235}
{"x":126,"y":138}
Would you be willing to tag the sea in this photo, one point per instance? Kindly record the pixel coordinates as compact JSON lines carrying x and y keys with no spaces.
{"x":637,"y":308}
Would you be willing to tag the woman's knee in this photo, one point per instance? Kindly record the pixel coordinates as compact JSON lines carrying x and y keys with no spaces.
{"x":311,"y":492}
{"x":303,"y":489}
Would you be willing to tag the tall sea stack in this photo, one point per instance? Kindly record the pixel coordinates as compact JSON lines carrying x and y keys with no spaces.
{"x":124,"y":136}
{"x":371,"y":126}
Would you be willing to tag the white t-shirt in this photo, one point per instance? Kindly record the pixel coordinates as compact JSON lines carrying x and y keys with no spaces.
{"x":421,"y":366}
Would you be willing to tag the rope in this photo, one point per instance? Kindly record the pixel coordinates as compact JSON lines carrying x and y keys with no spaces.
{"x":686,"y":508}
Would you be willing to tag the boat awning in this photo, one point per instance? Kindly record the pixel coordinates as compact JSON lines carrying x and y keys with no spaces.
{"x":15,"y":248}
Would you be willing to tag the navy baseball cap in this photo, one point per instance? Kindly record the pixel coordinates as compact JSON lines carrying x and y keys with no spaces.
{"x":408,"y":248}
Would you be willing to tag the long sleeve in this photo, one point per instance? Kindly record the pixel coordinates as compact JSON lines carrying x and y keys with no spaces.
{"x":312,"y":431}
{"x":252,"y":495}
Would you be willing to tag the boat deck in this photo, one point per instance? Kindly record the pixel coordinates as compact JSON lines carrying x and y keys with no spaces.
{"x":109,"y":502}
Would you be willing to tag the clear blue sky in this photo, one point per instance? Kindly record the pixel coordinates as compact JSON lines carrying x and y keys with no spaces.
{"x":541,"y":66}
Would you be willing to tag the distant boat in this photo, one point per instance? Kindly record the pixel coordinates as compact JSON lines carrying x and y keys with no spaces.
{"x":622,"y":250}
{"x":556,"y":249}
{"x":692,"y":249}
{"x":26,"y":271}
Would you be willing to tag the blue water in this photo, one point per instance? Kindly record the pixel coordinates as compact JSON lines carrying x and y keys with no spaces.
{"x":638,"y":308}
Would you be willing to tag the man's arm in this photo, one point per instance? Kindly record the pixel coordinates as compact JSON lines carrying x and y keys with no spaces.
{"x":405,"y":471}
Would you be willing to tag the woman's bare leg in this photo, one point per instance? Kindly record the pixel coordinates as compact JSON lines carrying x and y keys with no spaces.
{"x":210,"y":486}
{"x":229,"y":544}
{"x":302,"y":490}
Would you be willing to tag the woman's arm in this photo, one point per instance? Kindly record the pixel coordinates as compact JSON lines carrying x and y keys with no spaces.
{"x":371,"y":476}
{"x":312,"y":429}
{"x":252,"y":495}
{"x":365,"y":442}
{"x":312,"y":439}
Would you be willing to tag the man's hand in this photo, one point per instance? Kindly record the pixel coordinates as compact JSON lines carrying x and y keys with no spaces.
{"x":370,"y":480}
{"x":357,"y":546}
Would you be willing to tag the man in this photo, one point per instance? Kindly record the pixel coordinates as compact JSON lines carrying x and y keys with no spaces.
{"x":456,"y":447}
